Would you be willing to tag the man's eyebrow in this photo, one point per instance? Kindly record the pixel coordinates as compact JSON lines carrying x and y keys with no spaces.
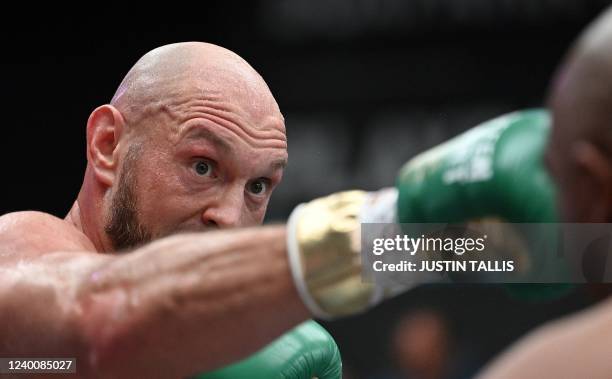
{"x":203,"y":133}
{"x":279,"y":164}
{"x":199,"y":132}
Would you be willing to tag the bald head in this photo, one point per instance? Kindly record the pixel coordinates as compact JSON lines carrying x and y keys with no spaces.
{"x":165,"y":76}
{"x":581,"y":97}
{"x":193,"y":139}
{"x":579,"y":152}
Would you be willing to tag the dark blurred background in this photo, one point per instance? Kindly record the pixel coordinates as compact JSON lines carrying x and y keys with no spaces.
{"x":364,"y":86}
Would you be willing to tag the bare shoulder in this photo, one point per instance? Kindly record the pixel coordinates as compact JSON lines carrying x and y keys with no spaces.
{"x":31,"y":232}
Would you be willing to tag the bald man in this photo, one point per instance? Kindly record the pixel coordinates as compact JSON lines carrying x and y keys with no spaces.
{"x":193,"y":140}
{"x":579,"y":156}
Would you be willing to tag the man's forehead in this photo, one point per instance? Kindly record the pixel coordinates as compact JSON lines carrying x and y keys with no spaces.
{"x":179,"y":100}
{"x":266,"y":146}
{"x":253,"y":101}
{"x":181,"y":115}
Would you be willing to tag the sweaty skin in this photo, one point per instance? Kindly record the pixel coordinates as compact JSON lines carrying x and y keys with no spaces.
{"x":579,"y":158}
{"x":192,"y":141}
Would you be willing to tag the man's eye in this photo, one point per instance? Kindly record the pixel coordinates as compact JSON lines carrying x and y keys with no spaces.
{"x":258,"y":187}
{"x":202,"y":168}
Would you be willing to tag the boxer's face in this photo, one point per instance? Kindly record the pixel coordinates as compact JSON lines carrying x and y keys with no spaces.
{"x":581,"y":171}
{"x":197,"y":165}
{"x":577,"y":153}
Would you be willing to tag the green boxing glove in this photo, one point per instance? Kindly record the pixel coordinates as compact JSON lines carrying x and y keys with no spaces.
{"x":492,"y":171}
{"x":305,"y":352}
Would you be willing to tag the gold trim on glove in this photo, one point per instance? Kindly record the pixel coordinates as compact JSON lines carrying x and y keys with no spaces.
{"x":328,"y":233}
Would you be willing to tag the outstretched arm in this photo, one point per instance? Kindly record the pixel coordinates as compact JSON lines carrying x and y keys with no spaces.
{"x":184,"y":304}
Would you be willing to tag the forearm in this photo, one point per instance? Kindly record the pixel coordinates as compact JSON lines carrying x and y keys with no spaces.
{"x":210,"y":299}
{"x":39,"y":309}
{"x":183,"y":304}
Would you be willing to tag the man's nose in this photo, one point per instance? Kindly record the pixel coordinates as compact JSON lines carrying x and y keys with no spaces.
{"x":226,"y":211}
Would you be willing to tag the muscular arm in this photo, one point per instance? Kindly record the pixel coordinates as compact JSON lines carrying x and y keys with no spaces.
{"x":179,"y":305}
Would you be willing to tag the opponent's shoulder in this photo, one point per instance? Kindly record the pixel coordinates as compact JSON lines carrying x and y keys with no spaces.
{"x":39,"y":232}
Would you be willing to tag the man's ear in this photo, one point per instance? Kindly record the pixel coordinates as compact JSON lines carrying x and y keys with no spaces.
{"x":597,"y":171}
{"x":104,"y":130}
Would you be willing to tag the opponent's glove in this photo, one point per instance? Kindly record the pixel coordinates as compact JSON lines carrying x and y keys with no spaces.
{"x":492,"y":171}
{"x":305,"y":352}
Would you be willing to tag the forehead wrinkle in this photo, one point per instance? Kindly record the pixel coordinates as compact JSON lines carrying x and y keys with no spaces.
{"x":240,"y":83}
{"x":225,"y":115}
{"x":197,"y":131}
{"x":220,"y":103}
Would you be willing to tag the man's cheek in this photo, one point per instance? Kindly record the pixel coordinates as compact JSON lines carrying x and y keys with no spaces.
{"x":260,"y":215}
{"x":160,"y":214}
